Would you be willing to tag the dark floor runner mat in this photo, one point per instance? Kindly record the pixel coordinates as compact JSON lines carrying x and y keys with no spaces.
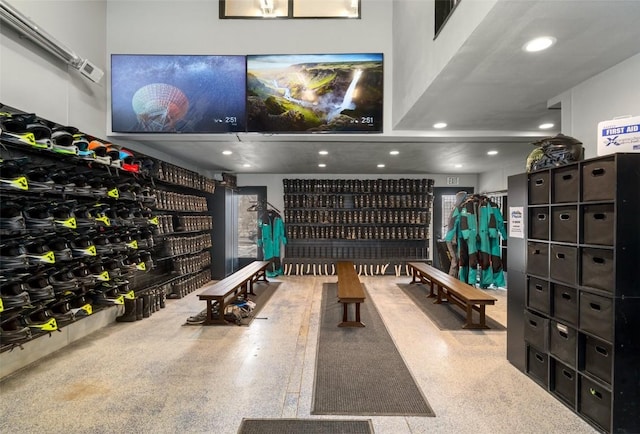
{"x":263,"y":295}
{"x":304,"y":426}
{"x":359,"y":370}
{"x":444,"y":315}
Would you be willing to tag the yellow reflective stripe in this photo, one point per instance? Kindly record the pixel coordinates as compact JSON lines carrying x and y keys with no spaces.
{"x":104,"y":276}
{"x":48,"y":326}
{"x":69,"y":223}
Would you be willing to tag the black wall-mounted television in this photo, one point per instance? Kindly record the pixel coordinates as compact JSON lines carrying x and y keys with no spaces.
{"x":177,"y":93}
{"x":315,"y":93}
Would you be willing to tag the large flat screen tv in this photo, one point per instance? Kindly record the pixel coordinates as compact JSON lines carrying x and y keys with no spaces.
{"x":323,"y":93}
{"x":177,"y":93}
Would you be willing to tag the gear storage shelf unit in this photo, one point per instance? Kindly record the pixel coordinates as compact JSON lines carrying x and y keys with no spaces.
{"x":373,"y":222}
{"x":582,"y":300}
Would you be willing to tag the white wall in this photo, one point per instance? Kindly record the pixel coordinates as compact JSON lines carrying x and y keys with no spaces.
{"x":418,"y":58}
{"x":275,"y":189}
{"x":612,"y":93}
{"x":34,"y":81}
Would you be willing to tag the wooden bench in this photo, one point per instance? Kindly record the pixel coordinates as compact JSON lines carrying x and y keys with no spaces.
{"x":350,"y":290}
{"x":449,"y":288}
{"x":228,"y":289}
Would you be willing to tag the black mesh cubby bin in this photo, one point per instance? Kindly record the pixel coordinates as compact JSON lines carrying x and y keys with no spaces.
{"x":564,"y":301}
{"x":538,"y":259}
{"x":566,"y":184}
{"x":539,"y":188}
{"x":538,"y":365}
{"x":596,"y":315}
{"x":598,"y":224}
{"x":587,"y":270}
{"x":538,"y":295}
{"x":536,"y":330}
{"x":563,"y":342}
{"x":564,"y":224}
{"x":564,"y":382}
{"x":597,"y":357}
{"x":539,"y":223}
{"x":563,"y":263}
{"x":595,"y":403}
{"x":597,"y":269}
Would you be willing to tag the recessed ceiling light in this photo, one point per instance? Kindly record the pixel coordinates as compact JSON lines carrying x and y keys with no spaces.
{"x":545,"y":126}
{"x":246,"y":165}
{"x":380,"y":166}
{"x":440,"y":125}
{"x":323,"y":152}
{"x":394,"y":152}
{"x":492,"y":153}
{"x":539,"y":44}
{"x":322,"y":165}
{"x":457,"y":166}
{"x":227,"y":152}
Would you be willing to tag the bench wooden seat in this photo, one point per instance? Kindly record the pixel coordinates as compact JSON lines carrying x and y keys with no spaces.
{"x":448,"y":288}
{"x":228,"y":289}
{"x":350,"y":290}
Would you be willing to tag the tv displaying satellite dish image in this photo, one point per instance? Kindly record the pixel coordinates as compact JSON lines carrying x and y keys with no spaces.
{"x":177,"y":94}
{"x":324,"y":93}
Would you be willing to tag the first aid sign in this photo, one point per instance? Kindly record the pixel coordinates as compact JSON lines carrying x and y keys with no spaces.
{"x":619,"y":135}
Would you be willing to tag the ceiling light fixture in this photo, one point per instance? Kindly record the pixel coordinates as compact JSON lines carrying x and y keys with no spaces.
{"x":246,"y":165}
{"x":545,"y":126}
{"x":323,"y":152}
{"x":322,"y":165}
{"x":457,"y":166}
{"x":492,"y":153}
{"x":440,"y":125}
{"x":227,"y":152}
{"x":380,"y":166}
{"x":539,"y":44}
{"x":394,"y":152}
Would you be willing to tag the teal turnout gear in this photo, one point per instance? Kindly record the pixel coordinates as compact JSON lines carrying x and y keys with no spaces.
{"x":272,"y":234}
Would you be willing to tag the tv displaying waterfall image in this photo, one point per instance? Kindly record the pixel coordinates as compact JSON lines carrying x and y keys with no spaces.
{"x":315,"y":93}
{"x":177,"y":93}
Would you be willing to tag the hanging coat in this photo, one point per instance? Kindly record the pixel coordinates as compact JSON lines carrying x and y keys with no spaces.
{"x":272,"y":234}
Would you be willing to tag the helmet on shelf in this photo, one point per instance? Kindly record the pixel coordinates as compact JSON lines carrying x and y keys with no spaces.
{"x":63,"y":216}
{"x":63,"y":141}
{"x":38,"y":216}
{"x":38,"y":252}
{"x":100,"y":150}
{"x":555,"y":151}
{"x":40,"y":179}
{"x":13,"y":255}
{"x":11,"y":218}
{"x":24,"y":129}
{"x":63,"y":280}
{"x":82,"y":246}
{"x":61,"y":248}
{"x":39,"y":318}
{"x":39,"y":288}
{"x":114,"y":153}
{"x":12,"y":331}
{"x":82,"y":143}
{"x":12,"y":176}
{"x":13,"y":293}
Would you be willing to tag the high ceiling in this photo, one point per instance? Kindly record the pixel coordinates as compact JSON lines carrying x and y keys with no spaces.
{"x":492,"y":94}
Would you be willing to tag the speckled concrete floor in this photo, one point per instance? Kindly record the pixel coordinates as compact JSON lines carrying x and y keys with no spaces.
{"x":159,"y":376}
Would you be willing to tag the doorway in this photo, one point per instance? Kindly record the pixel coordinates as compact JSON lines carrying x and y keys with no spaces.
{"x":247,"y":238}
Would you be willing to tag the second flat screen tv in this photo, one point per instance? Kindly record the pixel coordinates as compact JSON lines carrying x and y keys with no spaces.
{"x":177,"y":93}
{"x":324,"y":93}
